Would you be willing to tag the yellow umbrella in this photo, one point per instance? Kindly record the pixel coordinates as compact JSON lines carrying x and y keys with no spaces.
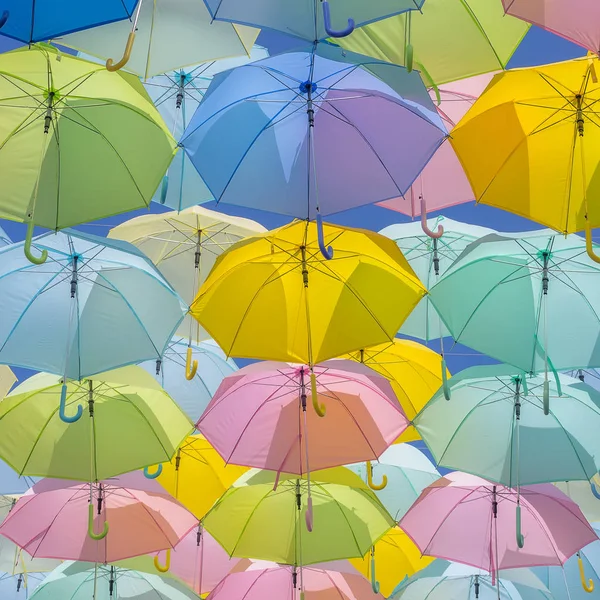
{"x":413,"y":370}
{"x":275,"y":297}
{"x":531,"y":145}
{"x":395,"y":556}
{"x":197,"y":476}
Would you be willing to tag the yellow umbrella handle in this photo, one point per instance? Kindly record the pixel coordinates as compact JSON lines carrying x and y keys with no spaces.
{"x":589,"y":245}
{"x":320,"y":409}
{"x":113,"y":66}
{"x":190,"y":366}
{"x":167,"y":566}
{"x":589,"y":585}
{"x":95,"y":536}
{"x":372,"y":485}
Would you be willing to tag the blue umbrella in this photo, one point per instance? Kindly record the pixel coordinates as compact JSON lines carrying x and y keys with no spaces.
{"x":4,"y":239}
{"x":19,"y":587}
{"x":95,"y":305}
{"x":12,"y":483}
{"x":193,"y":395}
{"x":37,"y":20}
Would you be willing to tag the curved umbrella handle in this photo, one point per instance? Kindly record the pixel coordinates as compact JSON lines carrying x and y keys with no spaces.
{"x":308,"y":515}
{"x":115,"y":66}
{"x":95,"y":536}
{"x":164,"y":188}
{"x":520,"y":537}
{"x":167,"y":566}
{"x":190,"y":366}
{"x":36,"y":260}
{"x":154,"y":475}
{"x":372,"y":485}
{"x":433,"y":235}
{"x":595,"y":491}
{"x":320,"y":409}
{"x":445,"y":386}
{"x":432,"y":83}
{"x":4,"y":18}
{"x":326,"y":252}
{"x":589,"y":245}
{"x":588,"y":585}
{"x":327,"y":23}
{"x":63,"y":405}
{"x":546,"y":397}
{"x":374,"y":583}
{"x":408,"y":47}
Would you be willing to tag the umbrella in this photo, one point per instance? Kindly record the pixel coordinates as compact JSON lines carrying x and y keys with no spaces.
{"x":129,"y":422}
{"x":4,"y":239}
{"x":430,"y":258}
{"x":94,"y":171}
{"x":254,"y":520}
{"x":496,"y":427}
{"x":171,"y":34}
{"x":309,"y":20}
{"x":554,"y":325}
{"x":56,"y":519}
{"x":36,"y":21}
{"x":405,"y":470}
{"x":468,"y":519}
{"x":176,"y":95}
{"x":95,"y":305}
{"x":446,"y":40}
{"x":11,"y":482}
{"x":582,"y":493}
{"x":184,"y":246}
{"x":17,"y":587}
{"x":413,"y":370}
{"x":318,"y":582}
{"x":275,"y":297}
{"x":573,"y":19}
{"x":393,"y":557}
{"x":313,"y":132}
{"x":192,"y":395}
{"x":259,"y":416}
{"x":551,"y":106}
{"x":197,"y":462}
{"x":81,"y":581}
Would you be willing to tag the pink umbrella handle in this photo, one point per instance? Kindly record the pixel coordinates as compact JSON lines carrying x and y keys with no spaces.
{"x":308,"y":515}
{"x":440,"y":230}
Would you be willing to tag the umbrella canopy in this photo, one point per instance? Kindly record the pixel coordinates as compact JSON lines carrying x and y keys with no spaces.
{"x":4,"y":239}
{"x":449,"y":39}
{"x":11,"y":482}
{"x":47,"y":95}
{"x":197,"y":461}
{"x":81,"y":581}
{"x":395,"y":558}
{"x":252,"y":520}
{"x":274,"y":296}
{"x":371,"y":128}
{"x":555,"y":323}
{"x":34,"y":21}
{"x":573,"y":19}
{"x":176,"y":95}
{"x":96,"y":305}
{"x":171,"y":34}
{"x":468,"y":519}
{"x":192,"y":395}
{"x":405,"y":471}
{"x":128,"y":422}
{"x":305,"y":19}
{"x":15,"y":587}
{"x":184,"y":246}
{"x":430,"y":258}
{"x":581,"y":493}
{"x":56,"y":519}
{"x":259,"y":416}
{"x":545,"y":107}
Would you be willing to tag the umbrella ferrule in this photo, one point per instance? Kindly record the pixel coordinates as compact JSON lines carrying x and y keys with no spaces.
{"x":581,"y":375}
{"x":298,"y":495}
{"x":580,"y":122}
{"x":476,"y":586}
{"x":199,"y":534}
{"x":74,"y":276}
{"x":178,"y":459}
{"x":48,"y":116}
{"x":494,"y":503}
{"x":158,"y":365}
{"x":198,"y":252}
{"x":100,"y":498}
{"x":436,"y":257}
{"x":302,"y":390}
{"x":19,"y":582}
{"x":91,"y":398}
{"x":304,"y":267}
{"x":179,"y":97}
{"x":294,"y":577}
{"x":545,"y":279}
{"x":518,"y":398}
{"x":111,"y":581}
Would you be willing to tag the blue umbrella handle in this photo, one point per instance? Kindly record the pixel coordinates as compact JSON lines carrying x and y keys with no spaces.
{"x":63,"y":405}
{"x":520,"y":537}
{"x":36,"y":260}
{"x":95,"y":536}
{"x":326,"y":252}
{"x":445,"y":385}
{"x":595,"y":492}
{"x":164,"y":188}
{"x":4,"y":18}
{"x":154,"y":475}
{"x":374,"y":583}
{"x":327,"y":23}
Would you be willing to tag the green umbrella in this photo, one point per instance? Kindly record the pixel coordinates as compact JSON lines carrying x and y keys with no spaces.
{"x":128,"y":422}
{"x":254,"y":520}
{"x":79,"y":143}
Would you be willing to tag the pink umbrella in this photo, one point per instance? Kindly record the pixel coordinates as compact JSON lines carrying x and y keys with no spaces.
{"x":59,"y":519}
{"x":575,"y":20}
{"x":331,"y":581}
{"x":443,"y":183}
{"x":259,"y":417}
{"x":467,"y":519}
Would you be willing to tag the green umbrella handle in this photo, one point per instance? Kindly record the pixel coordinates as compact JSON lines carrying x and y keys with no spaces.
{"x":520,"y":537}
{"x":115,"y":66}
{"x":589,"y":245}
{"x":160,"y":568}
{"x":546,"y":397}
{"x":408,"y":47}
{"x":190,"y":366}
{"x":320,"y":409}
{"x":374,"y":583}
{"x":154,"y":475}
{"x":445,"y":386}
{"x":95,"y":536}
{"x":372,"y":485}
{"x":36,"y":260}
{"x":63,"y":405}
{"x":434,"y":87}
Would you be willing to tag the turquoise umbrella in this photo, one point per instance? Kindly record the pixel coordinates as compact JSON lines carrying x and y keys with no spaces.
{"x":495,"y":427}
{"x":399,"y":477}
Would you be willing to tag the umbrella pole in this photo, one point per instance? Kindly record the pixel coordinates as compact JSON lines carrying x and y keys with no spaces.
{"x":309,"y":509}
{"x":520,"y":538}
{"x":192,"y":366}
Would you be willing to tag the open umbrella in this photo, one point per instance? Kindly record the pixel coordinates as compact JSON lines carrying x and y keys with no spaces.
{"x":65,"y":158}
{"x":4,"y":239}
{"x":18,"y":587}
{"x":585,"y":494}
{"x":254,"y":520}
{"x":95,"y":305}
{"x":59,"y":519}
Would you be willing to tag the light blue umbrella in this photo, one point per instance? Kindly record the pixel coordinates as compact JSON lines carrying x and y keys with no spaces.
{"x":405,"y":471}
{"x":177,"y":95}
{"x":19,"y":587}
{"x":193,"y":395}
{"x":11,"y":482}
{"x":95,"y":305}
